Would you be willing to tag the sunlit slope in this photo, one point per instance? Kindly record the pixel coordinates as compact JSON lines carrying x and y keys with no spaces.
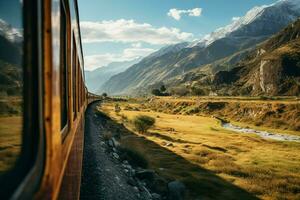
{"x":211,"y":157}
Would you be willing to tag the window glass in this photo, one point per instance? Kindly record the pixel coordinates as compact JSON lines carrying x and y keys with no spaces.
{"x":63,"y":76}
{"x":11,"y":83}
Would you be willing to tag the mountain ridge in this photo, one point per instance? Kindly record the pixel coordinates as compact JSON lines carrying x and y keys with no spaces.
{"x":159,"y":69}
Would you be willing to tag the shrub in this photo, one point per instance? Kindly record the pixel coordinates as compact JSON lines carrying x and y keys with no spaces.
{"x":117,"y":108}
{"x":124,"y":118}
{"x":163,"y":88}
{"x":142,"y":123}
{"x":156,"y":92}
{"x":197,"y":91}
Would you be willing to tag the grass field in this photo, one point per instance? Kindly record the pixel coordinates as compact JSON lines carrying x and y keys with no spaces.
{"x":213,"y":162}
{"x":10,"y":141}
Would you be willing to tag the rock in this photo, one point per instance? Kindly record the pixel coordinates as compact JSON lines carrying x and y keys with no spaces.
{"x":156,"y":196}
{"x":176,"y":190}
{"x":115,"y":142}
{"x":131,"y":182}
{"x":170,"y":144}
{"x":110,"y":143}
{"x":116,"y":156}
{"x":132,"y":172}
{"x":125,"y":162}
{"x":145,"y":174}
{"x":147,"y":193}
{"x":136,"y":189}
{"x":114,"y":149}
{"x":102,"y":143}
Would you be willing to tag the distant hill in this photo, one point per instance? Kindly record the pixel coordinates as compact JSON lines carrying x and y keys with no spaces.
{"x":231,"y":43}
{"x":95,"y":78}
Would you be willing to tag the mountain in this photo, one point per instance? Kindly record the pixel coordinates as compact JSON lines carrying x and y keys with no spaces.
{"x":10,"y":43}
{"x":11,"y":34}
{"x":242,"y":35}
{"x":255,"y":21}
{"x":273,"y":68}
{"x":10,"y":60}
{"x":95,"y":78}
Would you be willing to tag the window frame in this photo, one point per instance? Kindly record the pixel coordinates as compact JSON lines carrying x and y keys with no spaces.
{"x":64,"y":57}
{"x":74,"y":64}
{"x":25,"y":177}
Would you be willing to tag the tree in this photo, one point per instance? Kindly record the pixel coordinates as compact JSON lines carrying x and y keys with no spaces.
{"x":163,"y":88}
{"x":104,"y":94}
{"x":142,"y":123}
{"x":156,"y":92}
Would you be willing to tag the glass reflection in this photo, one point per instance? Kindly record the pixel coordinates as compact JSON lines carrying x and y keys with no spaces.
{"x":11,"y":82}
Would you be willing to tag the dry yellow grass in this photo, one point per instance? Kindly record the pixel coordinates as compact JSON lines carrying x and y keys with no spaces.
{"x":10,"y":141}
{"x":264,"y":168}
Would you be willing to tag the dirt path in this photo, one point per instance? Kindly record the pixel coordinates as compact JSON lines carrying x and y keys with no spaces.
{"x":102,"y":177}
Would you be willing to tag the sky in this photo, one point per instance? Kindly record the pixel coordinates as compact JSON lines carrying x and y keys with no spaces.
{"x":122,"y":30}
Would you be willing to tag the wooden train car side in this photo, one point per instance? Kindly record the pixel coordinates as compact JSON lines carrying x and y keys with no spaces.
{"x":55,"y":101}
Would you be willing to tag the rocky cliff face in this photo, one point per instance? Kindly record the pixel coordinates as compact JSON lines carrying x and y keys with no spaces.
{"x":271,"y":69}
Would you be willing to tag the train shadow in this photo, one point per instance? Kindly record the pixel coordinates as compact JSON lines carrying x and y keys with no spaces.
{"x":200,"y":182}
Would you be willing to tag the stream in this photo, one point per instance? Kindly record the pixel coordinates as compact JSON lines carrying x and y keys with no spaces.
{"x":263,"y":134}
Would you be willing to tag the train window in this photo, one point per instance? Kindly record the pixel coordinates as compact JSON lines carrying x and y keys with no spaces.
{"x":74,"y":60}
{"x":20,"y":133}
{"x":63,"y":68}
{"x":78,"y":84}
{"x":11,"y":84}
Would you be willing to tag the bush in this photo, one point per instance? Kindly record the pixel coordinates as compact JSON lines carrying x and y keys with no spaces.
{"x":142,"y":123}
{"x":156,"y":92}
{"x":117,"y":108}
{"x":163,"y":88}
{"x":197,"y":91}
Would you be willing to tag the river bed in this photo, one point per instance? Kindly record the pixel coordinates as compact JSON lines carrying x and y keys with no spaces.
{"x":263,"y":134}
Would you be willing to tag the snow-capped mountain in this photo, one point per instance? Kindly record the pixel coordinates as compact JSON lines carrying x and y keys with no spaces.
{"x":169,"y":49}
{"x":11,"y":34}
{"x":221,"y":49}
{"x":255,"y":22}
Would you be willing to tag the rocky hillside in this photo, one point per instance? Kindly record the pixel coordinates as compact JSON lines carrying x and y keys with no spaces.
{"x":234,"y":40}
{"x":273,"y":68}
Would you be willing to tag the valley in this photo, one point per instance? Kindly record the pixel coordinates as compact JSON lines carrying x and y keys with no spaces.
{"x":220,"y":113}
{"x":265,"y":168}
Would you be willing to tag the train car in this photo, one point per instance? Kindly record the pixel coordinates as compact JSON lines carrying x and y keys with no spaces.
{"x":43,"y":99}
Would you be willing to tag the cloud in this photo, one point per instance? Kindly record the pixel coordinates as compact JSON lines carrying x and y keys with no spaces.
{"x":129,"y":31}
{"x":235,"y":19}
{"x":176,"y":14}
{"x":99,"y":60}
{"x":138,"y":45}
